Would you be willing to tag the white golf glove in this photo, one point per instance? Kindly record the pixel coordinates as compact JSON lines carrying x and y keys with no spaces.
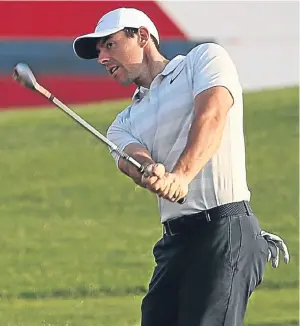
{"x":276,"y":245}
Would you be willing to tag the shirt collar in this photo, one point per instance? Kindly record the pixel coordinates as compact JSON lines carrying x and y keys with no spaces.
{"x":139,"y":93}
{"x":170,"y":67}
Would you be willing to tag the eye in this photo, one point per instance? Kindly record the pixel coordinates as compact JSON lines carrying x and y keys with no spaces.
{"x":109,"y":45}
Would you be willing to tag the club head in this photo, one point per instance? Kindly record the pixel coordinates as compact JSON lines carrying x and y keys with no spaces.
{"x":23,"y":74}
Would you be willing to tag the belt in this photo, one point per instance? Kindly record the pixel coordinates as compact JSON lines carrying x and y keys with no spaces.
{"x":189,"y":222}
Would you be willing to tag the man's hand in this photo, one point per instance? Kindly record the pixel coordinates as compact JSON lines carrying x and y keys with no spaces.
{"x":175,"y":187}
{"x":153,"y":173}
{"x":166,"y":185}
{"x":276,"y":245}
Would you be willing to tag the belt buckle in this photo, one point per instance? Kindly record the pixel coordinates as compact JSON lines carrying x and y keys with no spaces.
{"x":169,"y":230}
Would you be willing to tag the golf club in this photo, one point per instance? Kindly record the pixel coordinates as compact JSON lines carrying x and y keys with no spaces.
{"x":23,"y":74}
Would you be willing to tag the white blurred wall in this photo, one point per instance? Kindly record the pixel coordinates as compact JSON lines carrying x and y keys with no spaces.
{"x":261,"y":36}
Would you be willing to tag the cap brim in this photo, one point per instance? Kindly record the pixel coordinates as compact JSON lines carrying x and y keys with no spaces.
{"x":84,"y":46}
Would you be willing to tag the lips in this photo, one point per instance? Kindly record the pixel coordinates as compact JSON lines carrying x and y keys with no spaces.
{"x":113,"y":69}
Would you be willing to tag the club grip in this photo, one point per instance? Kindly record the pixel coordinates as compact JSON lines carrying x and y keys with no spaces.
{"x":142,"y":170}
{"x":182,"y":200}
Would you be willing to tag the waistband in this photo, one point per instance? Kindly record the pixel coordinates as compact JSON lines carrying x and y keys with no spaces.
{"x":180,"y":224}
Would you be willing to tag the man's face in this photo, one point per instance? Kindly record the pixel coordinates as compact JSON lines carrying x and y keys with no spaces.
{"x":122,"y":57}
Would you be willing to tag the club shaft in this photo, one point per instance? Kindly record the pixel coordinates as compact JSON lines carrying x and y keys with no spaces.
{"x":92,"y":130}
{"x":87,"y":126}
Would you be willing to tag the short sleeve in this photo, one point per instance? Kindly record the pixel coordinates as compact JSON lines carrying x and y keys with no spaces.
{"x":120,"y":133}
{"x":212,"y":66}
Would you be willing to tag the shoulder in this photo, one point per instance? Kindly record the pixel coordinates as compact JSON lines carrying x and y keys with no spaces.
{"x":123,"y":115}
{"x":121,"y":119}
{"x":207,"y":51}
{"x":210,"y":59}
{"x":206,"y":48}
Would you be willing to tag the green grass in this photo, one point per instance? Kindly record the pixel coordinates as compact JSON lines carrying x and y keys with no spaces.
{"x":76,"y":235}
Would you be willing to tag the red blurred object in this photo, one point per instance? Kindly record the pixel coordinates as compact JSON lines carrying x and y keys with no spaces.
{"x":68,"y":19}
{"x":69,"y":89}
{"x":64,"y":20}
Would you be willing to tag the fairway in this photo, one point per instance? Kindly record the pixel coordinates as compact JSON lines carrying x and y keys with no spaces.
{"x":77,"y":235}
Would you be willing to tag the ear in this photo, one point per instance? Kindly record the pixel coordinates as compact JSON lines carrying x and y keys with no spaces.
{"x":144,"y":36}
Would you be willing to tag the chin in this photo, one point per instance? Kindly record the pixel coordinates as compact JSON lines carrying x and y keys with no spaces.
{"x":125,"y":82}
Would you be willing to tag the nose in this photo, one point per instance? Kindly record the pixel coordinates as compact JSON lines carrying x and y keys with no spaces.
{"x":103,"y":58}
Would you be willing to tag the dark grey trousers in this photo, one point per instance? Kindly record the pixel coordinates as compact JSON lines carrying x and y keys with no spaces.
{"x":205,"y":277}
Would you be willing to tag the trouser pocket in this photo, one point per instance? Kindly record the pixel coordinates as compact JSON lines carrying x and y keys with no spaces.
{"x":262,"y":253}
{"x":254,"y":251}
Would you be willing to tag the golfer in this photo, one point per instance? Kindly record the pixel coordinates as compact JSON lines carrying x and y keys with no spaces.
{"x":185,"y":125}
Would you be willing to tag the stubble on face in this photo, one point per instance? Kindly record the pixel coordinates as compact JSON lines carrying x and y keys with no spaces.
{"x":122,"y":56}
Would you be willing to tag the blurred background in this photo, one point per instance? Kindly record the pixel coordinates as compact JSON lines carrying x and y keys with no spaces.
{"x":76,"y":235}
{"x":262,"y":38}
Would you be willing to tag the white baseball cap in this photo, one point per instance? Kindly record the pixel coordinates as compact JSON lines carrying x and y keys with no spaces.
{"x":114,"y":21}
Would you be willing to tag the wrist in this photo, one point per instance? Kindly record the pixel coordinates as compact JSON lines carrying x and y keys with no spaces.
{"x":182,"y":175}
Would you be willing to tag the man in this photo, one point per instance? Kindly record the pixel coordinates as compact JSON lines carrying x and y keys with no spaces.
{"x":185,"y":126}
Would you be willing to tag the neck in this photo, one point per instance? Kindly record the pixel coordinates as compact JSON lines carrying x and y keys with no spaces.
{"x":153,"y":65}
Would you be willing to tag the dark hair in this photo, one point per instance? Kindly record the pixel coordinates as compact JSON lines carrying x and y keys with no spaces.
{"x":130,"y":32}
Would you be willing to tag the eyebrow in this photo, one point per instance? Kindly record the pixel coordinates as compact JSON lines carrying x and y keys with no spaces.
{"x":102,"y":41}
{"x":105,"y":39}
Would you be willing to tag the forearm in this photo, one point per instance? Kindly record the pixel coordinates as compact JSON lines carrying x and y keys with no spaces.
{"x":203,"y":141}
{"x":140,"y":154}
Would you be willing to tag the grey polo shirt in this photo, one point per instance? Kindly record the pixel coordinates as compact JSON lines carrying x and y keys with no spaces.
{"x":160,"y":118}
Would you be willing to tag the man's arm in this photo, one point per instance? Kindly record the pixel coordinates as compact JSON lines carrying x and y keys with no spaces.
{"x":119,"y":133}
{"x":139,"y":153}
{"x":153,"y":171}
{"x":205,"y":135}
{"x":214,"y":84}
